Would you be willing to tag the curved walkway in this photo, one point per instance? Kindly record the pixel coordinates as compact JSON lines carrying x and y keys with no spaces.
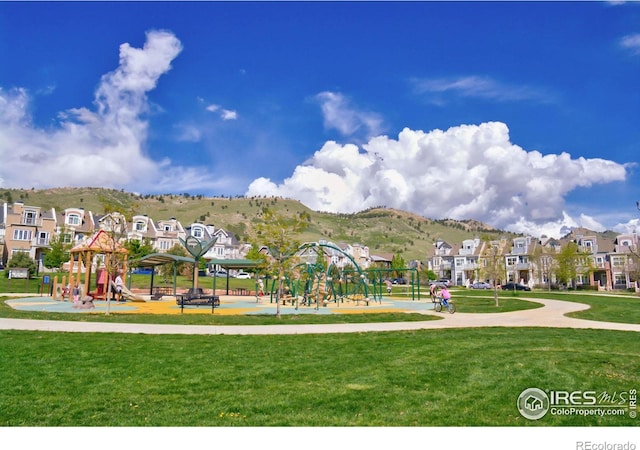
{"x":552,"y":314}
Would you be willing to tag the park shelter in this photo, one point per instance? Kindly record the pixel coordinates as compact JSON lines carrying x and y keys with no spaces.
{"x":101,"y":243}
{"x":235,"y":264}
{"x":158,"y":259}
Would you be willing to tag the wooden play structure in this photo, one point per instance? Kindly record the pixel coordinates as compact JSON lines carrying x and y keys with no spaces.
{"x":114,"y":258}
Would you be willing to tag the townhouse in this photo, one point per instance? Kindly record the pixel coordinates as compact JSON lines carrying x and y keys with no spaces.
{"x":26,"y":229}
{"x":30,"y":229}
{"x":605,"y":261}
{"x":601,"y":262}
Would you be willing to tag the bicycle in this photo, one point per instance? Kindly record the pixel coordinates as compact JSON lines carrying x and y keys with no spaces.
{"x":443,"y":302}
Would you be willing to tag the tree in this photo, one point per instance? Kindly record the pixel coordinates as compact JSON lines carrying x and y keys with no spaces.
{"x":138,"y":249}
{"x":567,"y":263}
{"x":166,"y":270}
{"x":59,"y":252}
{"x":398,"y":264}
{"x":22,"y":260}
{"x":254,"y":255}
{"x":493,"y":269}
{"x":115,"y":225}
{"x":428,"y":274}
{"x":278,"y":233}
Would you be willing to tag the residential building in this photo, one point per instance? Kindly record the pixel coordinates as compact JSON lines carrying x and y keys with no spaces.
{"x":624,"y":261}
{"x":74,"y":224}
{"x":465,"y":265}
{"x":27,"y":229}
{"x":168,"y":233}
{"x":142,"y":228}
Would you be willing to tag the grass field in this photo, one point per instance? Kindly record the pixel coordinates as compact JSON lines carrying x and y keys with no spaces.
{"x":425,"y":378}
{"x":465,"y":377}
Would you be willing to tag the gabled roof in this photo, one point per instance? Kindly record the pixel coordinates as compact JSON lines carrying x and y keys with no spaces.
{"x":99,"y":242}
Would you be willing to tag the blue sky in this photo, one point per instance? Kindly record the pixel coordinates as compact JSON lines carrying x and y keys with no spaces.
{"x":523,"y":115}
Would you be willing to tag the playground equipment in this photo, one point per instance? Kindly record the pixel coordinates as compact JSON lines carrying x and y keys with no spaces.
{"x":380,"y":277}
{"x":101,"y":243}
{"x":126,"y":293}
{"x":312,"y":283}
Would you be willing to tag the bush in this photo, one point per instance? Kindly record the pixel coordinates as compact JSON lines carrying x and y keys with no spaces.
{"x":22,"y":260}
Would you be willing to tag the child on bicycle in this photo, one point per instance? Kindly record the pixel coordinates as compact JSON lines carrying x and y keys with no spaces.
{"x":446,"y":296}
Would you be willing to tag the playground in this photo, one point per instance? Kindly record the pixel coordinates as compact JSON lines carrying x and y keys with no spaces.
{"x":229,"y":305}
{"x":313,"y":284}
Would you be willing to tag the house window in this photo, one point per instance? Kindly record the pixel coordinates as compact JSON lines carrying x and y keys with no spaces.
{"x":29,"y":217}
{"x":66,"y":238}
{"x":196,"y":232}
{"x":512,"y":260}
{"x":140,"y":226}
{"x":166,"y":227}
{"x":163,"y":245}
{"x":21,"y":235}
{"x":617,"y":261}
{"x":43,"y":238}
{"x":73,"y":219}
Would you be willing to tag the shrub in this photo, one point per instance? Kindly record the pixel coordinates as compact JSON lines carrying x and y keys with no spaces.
{"x":22,"y":260}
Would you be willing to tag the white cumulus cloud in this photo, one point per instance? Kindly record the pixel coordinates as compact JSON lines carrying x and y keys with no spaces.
{"x":467,"y":171}
{"x":104,"y":146}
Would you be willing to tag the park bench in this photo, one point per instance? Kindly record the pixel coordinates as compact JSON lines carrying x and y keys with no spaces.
{"x":160,"y":291}
{"x":197,"y":297}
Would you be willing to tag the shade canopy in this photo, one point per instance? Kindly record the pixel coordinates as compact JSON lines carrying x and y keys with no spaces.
{"x":157,"y":259}
{"x":235,"y":263}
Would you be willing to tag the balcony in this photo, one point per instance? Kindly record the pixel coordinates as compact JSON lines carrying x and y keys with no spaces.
{"x":31,"y":221}
{"x":41,"y":242}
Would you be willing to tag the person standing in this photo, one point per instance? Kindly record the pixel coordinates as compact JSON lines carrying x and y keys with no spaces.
{"x":75,"y":292}
{"x":260,"y":287}
{"x":433,"y":292}
{"x":119,"y":285}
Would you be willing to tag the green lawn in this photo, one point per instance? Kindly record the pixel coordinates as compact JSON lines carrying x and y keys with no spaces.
{"x":612,"y":307}
{"x":465,"y":377}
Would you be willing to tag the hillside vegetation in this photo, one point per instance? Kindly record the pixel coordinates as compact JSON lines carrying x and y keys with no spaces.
{"x":383,"y":230}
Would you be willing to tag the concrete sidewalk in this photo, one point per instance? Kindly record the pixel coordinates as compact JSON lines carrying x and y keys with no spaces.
{"x":552,"y":314}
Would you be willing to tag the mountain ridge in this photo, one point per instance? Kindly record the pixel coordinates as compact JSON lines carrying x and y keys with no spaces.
{"x":382,"y":229}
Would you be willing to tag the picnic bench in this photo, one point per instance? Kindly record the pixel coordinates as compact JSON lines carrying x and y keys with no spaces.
{"x":160,"y":291}
{"x":197,"y":297}
{"x":240,"y":291}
